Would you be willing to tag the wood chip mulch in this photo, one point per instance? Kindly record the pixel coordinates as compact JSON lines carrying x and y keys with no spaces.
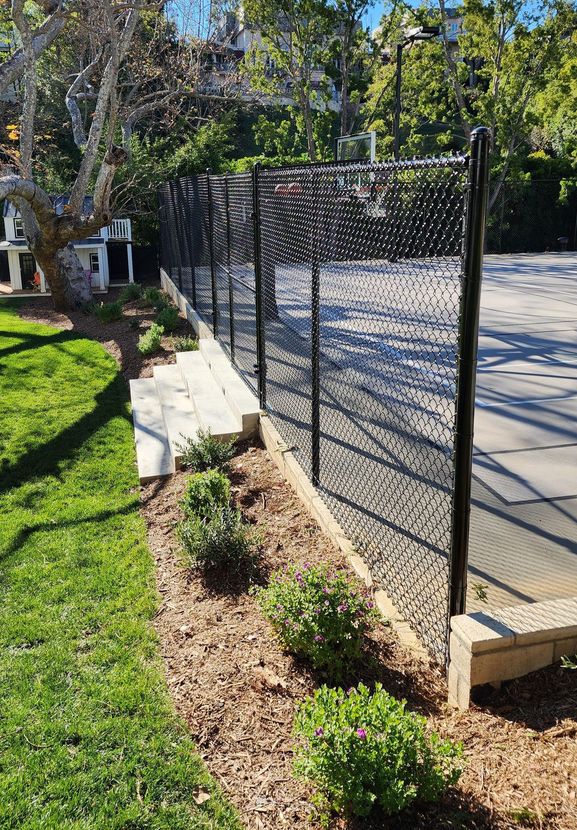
{"x":237,"y":690}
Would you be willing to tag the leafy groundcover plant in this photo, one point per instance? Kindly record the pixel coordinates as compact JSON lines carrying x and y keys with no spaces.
{"x":205,"y":493}
{"x":364,"y":750}
{"x":168,"y":318}
{"x":318,"y":614}
{"x":150,"y":341}
{"x":109,"y":312}
{"x":205,"y":452}
{"x":130,"y":292}
{"x":186,"y":343}
{"x":154,"y":297}
{"x":222,"y":540}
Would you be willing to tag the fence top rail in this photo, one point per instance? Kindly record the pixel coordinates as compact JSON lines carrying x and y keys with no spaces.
{"x":340,"y":167}
{"x":430,"y":163}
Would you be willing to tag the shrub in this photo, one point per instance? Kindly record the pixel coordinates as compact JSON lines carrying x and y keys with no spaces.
{"x":205,"y":493}
{"x":185,"y":344}
{"x":364,"y":749}
{"x":168,"y":318}
{"x":223,"y":539}
{"x":150,"y":341}
{"x":154,"y":297}
{"x":108,"y":312}
{"x":318,"y":614}
{"x":205,"y":452}
{"x":130,"y":292}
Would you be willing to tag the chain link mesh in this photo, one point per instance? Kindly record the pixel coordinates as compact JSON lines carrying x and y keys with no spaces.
{"x":361,"y":279}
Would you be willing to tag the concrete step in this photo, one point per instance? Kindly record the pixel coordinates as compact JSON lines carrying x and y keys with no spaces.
{"x":211,"y":406}
{"x":153,"y":454}
{"x":243,"y":403}
{"x":178,"y":410}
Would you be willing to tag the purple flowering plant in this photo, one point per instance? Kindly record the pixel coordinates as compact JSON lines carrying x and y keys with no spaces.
{"x":363,"y":748}
{"x":329,"y":615}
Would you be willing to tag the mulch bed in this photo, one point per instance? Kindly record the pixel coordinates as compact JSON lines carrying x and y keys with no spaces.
{"x":237,"y":690}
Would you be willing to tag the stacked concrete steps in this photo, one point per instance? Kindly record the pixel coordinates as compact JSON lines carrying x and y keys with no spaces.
{"x":201,"y":391}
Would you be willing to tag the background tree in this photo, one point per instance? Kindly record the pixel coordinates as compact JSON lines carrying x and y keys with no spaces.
{"x":294,"y":49}
{"x":120,"y":63}
{"x":503,"y":62}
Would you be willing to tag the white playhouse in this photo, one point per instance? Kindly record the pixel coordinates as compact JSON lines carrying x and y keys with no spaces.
{"x":106,"y":258}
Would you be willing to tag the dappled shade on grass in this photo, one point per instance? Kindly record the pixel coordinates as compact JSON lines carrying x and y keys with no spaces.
{"x":87,"y":735}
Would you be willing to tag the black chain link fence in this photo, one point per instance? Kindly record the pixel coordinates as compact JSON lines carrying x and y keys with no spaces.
{"x":353,"y":318}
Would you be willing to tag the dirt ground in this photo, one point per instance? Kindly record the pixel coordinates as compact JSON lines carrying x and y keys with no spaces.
{"x":237,"y":691}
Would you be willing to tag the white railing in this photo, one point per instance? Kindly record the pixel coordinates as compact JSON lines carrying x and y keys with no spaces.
{"x":118,"y":229}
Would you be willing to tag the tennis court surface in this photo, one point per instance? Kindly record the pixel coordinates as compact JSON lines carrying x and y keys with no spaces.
{"x":524,"y":513}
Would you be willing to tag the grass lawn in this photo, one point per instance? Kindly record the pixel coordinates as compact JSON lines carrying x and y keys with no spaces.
{"x":88,"y":738}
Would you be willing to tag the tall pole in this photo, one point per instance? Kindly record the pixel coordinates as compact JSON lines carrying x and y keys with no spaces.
{"x":467,"y":365}
{"x":397,"y":121}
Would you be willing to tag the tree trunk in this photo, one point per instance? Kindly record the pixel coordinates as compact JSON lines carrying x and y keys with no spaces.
{"x":65,"y":276}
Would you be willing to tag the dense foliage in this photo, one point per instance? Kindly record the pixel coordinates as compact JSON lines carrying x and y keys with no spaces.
{"x":363,"y":750}
{"x":149,"y":342}
{"x":205,"y":493}
{"x":204,"y":452}
{"x":318,"y":614}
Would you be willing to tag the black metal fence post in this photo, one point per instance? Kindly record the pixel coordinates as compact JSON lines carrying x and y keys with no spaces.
{"x":260,"y":366}
{"x":467,"y":366}
{"x":211,"y":255}
{"x":229,"y":269}
{"x":315,"y":339}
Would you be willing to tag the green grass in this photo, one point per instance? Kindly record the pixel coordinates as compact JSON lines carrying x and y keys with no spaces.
{"x":88,"y":738}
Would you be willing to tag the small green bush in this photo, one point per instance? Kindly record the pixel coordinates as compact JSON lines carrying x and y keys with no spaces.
{"x":130,"y":292}
{"x":150,"y":341}
{"x":185,"y":344}
{"x":318,"y":614}
{"x":168,"y":318}
{"x":365,"y":750}
{"x":221,"y":540}
{"x":205,"y":452}
{"x":108,"y":312}
{"x":155,"y":298}
{"x":205,"y":493}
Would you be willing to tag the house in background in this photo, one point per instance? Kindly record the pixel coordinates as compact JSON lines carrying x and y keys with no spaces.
{"x":106,"y":258}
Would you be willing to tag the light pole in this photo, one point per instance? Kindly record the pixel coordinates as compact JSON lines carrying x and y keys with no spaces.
{"x":420,"y":33}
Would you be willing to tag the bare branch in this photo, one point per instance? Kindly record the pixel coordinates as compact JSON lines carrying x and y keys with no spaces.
{"x":42,"y":37}
{"x":78,"y":131}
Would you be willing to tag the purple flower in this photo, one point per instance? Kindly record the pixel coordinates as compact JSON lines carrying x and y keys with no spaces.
{"x":342,"y":608}
{"x":299,"y":578}
{"x":319,"y":638}
{"x":351,"y":690}
{"x":317,"y":610}
{"x":306,"y":566}
{"x":319,"y":731}
{"x":370,"y":604}
{"x":287,"y":622}
{"x":362,"y":734}
{"x":325,"y":589}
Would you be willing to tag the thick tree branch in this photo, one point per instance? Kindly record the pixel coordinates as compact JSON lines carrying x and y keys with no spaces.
{"x":42,"y":37}
{"x":109,"y":79}
{"x":78,"y":131}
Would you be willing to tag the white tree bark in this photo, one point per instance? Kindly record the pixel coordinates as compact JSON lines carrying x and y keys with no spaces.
{"x":42,"y":37}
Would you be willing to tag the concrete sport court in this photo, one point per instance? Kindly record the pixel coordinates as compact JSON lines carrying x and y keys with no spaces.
{"x":524,"y":516}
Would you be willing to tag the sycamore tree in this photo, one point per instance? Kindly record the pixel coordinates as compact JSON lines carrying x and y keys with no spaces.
{"x":108,"y":64}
